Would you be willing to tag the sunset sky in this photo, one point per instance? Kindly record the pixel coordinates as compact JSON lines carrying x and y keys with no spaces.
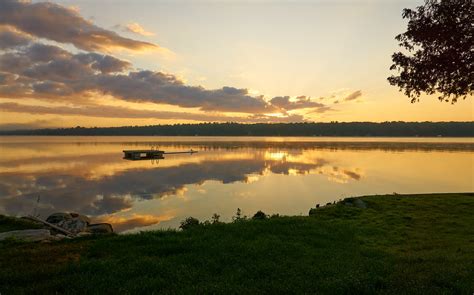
{"x":114,"y":63}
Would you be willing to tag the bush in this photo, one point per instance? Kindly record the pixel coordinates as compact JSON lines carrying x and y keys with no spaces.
{"x":215,"y":218}
{"x":260,"y":215}
{"x":188,"y":223}
{"x":238,"y":216}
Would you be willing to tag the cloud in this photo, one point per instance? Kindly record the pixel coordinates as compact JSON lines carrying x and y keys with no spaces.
{"x":49,"y":71}
{"x":23,"y":126}
{"x":301,"y":102}
{"x":10,"y":38}
{"x":353,"y":95}
{"x":285,"y":167}
{"x":104,"y":63}
{"x":30,"y":69}
{"x":352,"y":174}
{"x":52,"y":71}
{"x":137,"y":29}
{"x":52,"y":63}
{"x":7,"y":78}
{"x":259,"y":118}
{"x":111,"y":203}
{"x":343,"y":175}
{"x":64,"y":25}
{"x":104,"y":111}
{"x":165,"y":88}
{"x":321,"y":110}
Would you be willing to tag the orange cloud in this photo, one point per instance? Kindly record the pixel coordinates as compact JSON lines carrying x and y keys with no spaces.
{"x":65,"y":25}
{"x":138,"y":29}
{"x":104,"y":111}
{"x":353,"y":95}
{"x":30,"y":69}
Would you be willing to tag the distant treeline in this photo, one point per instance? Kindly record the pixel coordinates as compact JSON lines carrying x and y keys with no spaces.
{"x":446,"y":129}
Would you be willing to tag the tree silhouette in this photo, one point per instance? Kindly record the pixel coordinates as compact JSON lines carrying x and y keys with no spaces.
{"x":439,"y":47}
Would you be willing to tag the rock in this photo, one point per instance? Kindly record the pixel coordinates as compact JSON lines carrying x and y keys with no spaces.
{"x":83,"y":234}
{"x":56,"y":218}
{"x":72,"y":222}
{"x":312,"y":211}
{"x":100,"y":228}
{"x":62,"y":217}
{"x":81,"y":217}
{"x":27,"y":235}
{"x":74,"y":225}
{"x":78,"y":224}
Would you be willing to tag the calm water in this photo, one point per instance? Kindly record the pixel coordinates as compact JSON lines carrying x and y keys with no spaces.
{"x":276,"y":175}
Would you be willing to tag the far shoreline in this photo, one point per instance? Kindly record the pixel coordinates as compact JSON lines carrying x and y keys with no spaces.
{"x":332,"y":129}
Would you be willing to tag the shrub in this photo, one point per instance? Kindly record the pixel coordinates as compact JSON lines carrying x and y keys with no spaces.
{"x":260,"y":215}
{"x":238,"y":216}
{"x":215,"y":218}
{"x":188,"y":223}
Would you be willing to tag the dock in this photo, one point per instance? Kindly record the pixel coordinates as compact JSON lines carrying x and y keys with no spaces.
{"x":150,"y":154}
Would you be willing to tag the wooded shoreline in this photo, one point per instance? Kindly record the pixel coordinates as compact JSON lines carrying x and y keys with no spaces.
{"x":352,"y":129}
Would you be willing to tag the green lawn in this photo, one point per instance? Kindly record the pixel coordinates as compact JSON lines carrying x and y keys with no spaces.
{"x":417,"y":244}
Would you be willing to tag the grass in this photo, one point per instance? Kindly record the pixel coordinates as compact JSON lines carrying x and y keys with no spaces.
{"x":400,"y":244}
{"x":12,"y":223}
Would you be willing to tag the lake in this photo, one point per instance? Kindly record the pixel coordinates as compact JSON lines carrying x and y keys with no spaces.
{"x":285,"y":175}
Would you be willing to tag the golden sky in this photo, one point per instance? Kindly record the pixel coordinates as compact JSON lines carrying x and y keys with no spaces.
{"x":67,"y":63}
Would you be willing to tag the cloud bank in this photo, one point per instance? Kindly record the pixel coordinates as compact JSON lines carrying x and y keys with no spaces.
{"x":103,"y":111}
{"x":30,"y":68}
{"x":301,"y":102}
{"x":64,"y":25}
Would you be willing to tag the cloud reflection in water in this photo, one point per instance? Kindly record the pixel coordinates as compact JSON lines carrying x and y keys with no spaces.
{"x":93,"y":179}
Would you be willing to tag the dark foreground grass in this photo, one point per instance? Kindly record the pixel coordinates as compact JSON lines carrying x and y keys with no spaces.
{"x":417,"y":244}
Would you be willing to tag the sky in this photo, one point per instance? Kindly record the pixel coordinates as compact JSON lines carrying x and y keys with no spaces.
{"x":114,"y":63}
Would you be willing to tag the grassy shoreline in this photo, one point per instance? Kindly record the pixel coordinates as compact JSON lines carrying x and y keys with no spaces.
{"x":421,"y":244}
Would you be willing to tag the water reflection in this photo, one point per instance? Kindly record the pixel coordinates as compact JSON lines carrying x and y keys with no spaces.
{"x":287,"y":177}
